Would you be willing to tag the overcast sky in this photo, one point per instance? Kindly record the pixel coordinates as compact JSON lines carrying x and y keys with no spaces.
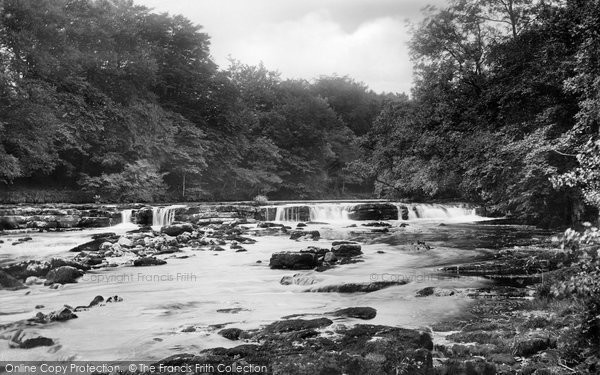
{"x":365,"y":39}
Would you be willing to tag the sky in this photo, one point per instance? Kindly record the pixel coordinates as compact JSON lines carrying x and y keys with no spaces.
{"x":364,"y":39}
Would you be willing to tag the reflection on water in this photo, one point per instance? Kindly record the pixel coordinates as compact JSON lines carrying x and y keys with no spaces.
{"x":177,"y":307}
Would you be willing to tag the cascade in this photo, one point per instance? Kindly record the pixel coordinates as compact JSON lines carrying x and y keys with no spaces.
{"x":162,"y":216}
{"x":126,"y":216}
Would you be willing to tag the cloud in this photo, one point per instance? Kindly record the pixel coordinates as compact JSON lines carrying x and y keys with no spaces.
{"x":364,"y":39}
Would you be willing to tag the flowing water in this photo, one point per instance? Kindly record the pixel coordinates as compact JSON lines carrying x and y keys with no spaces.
{"x":231,"y":289}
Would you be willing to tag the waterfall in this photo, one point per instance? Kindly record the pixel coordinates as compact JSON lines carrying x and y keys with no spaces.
{"x":126,"y":216}
{"x":329,"y":212}
{"x":162,"y":216}
{"x":439,"y":211}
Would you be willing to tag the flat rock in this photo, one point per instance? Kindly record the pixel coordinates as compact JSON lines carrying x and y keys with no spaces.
{"x":293,"y":260}
{"x":356,"y":287}
{"x":364,"y":313}
{"x":9,"y":283}
{"x":148,"y":261}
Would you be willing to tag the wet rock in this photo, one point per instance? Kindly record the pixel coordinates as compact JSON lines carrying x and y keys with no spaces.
{"x":419,"y":246}
{"x":300,"y":225}
{"x":297,"y":325}
{"x":364,"y":313}
{"x":308,"y":235}
{"x":8,"y":223}
{"x":437,"y":292}
{"x":93,"y":245}
{"x":9,"y":283}
{"x":24,"y":340}
{"x":268,"y":224}
{"x":177,"y":229}
{"x":347,"y":250}
{"x":107,"y":235}
{"x":231,"y":333}
{"x":298,"y":279}
{"x":232,"y":310}
{"x":380,"y":230}
{"x":377,"y":224}
{"x":61,"y":315}
{"x":143,"y":216}
{"x":63,"y":275}
{"x":112,"y":299}
{"x":95,"y":302}
{"x":373,"y":211}
{"x":357,"y":287}
{"x":148,"y":261}
{"x":125,"y":242}
{"x":293,"y":260}
{"x":329,"y":257}
{"x":33,"y":280}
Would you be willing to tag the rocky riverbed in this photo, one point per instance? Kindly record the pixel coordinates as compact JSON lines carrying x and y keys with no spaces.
{"x":297,"y":298}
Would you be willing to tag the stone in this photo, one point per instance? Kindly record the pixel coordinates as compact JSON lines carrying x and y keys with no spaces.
{"x":125,"y":242}
{"x":143,"y":216}
{"x":298,"y":279}
{"x":300,"y":234}
{"x":357,"y":287}
{"x":63,"y":275}
{"x":373,"y":212}
{"x":293,"y":260}
{"x":297,"y":324}
{"x":364,"y":313}
{"x":94,"y":222}
{"x":231,"y":333}
{"x":177,"y":229}
{"x":148,"y":261}
{"x":9,"y":283}
{"x":330,"y":257}
{"x":347,"y":250}
{"x":528,"y":346}
{"x":33,"y":280}
{"x":23,"y":340}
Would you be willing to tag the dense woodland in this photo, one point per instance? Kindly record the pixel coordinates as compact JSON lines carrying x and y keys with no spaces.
{"x":110,"y":99}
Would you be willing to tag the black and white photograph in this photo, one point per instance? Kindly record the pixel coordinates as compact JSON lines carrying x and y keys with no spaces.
{"x":300,"y":187}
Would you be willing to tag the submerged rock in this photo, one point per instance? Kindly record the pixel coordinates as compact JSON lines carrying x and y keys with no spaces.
{"x":27,"y":340}
{"x":357,"y":287}
{"x":298,"y":279}
{"x":297,"y":325}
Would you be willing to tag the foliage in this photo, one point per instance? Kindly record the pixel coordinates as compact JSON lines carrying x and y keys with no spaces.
{"x":583,"y":287}
{"x":138,"y":182}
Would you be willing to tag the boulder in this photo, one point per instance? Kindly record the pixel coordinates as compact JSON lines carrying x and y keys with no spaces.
{"x":9,"y":282}
{"x":364,"y":313}
{"x":231,"y":333}
{"x":93,"y":245}
{"x":125,"y":242}
{"x":373,"y":212}
{"x":437,"y":292}
{"x":293,"y":260}
{"x":300,"y":234}
{"x":143,"y":216}
{"x":330,"y":257}
{"x":177,"y":229}
{"x":347,"y":250}
{"x":63,"y":275}
{"x":8,"y":223}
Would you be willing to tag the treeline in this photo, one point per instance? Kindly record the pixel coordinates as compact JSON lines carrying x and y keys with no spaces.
{"x":106,"y":97}
{"x":507,"y":95}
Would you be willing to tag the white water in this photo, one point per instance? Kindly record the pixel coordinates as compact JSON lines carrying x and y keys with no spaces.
{"x":162,"y":216}
{"x":126,"y":216}
{"x":338,"y":212}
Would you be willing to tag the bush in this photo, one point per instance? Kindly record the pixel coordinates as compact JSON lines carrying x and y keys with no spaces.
{"x":260,"y":200}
